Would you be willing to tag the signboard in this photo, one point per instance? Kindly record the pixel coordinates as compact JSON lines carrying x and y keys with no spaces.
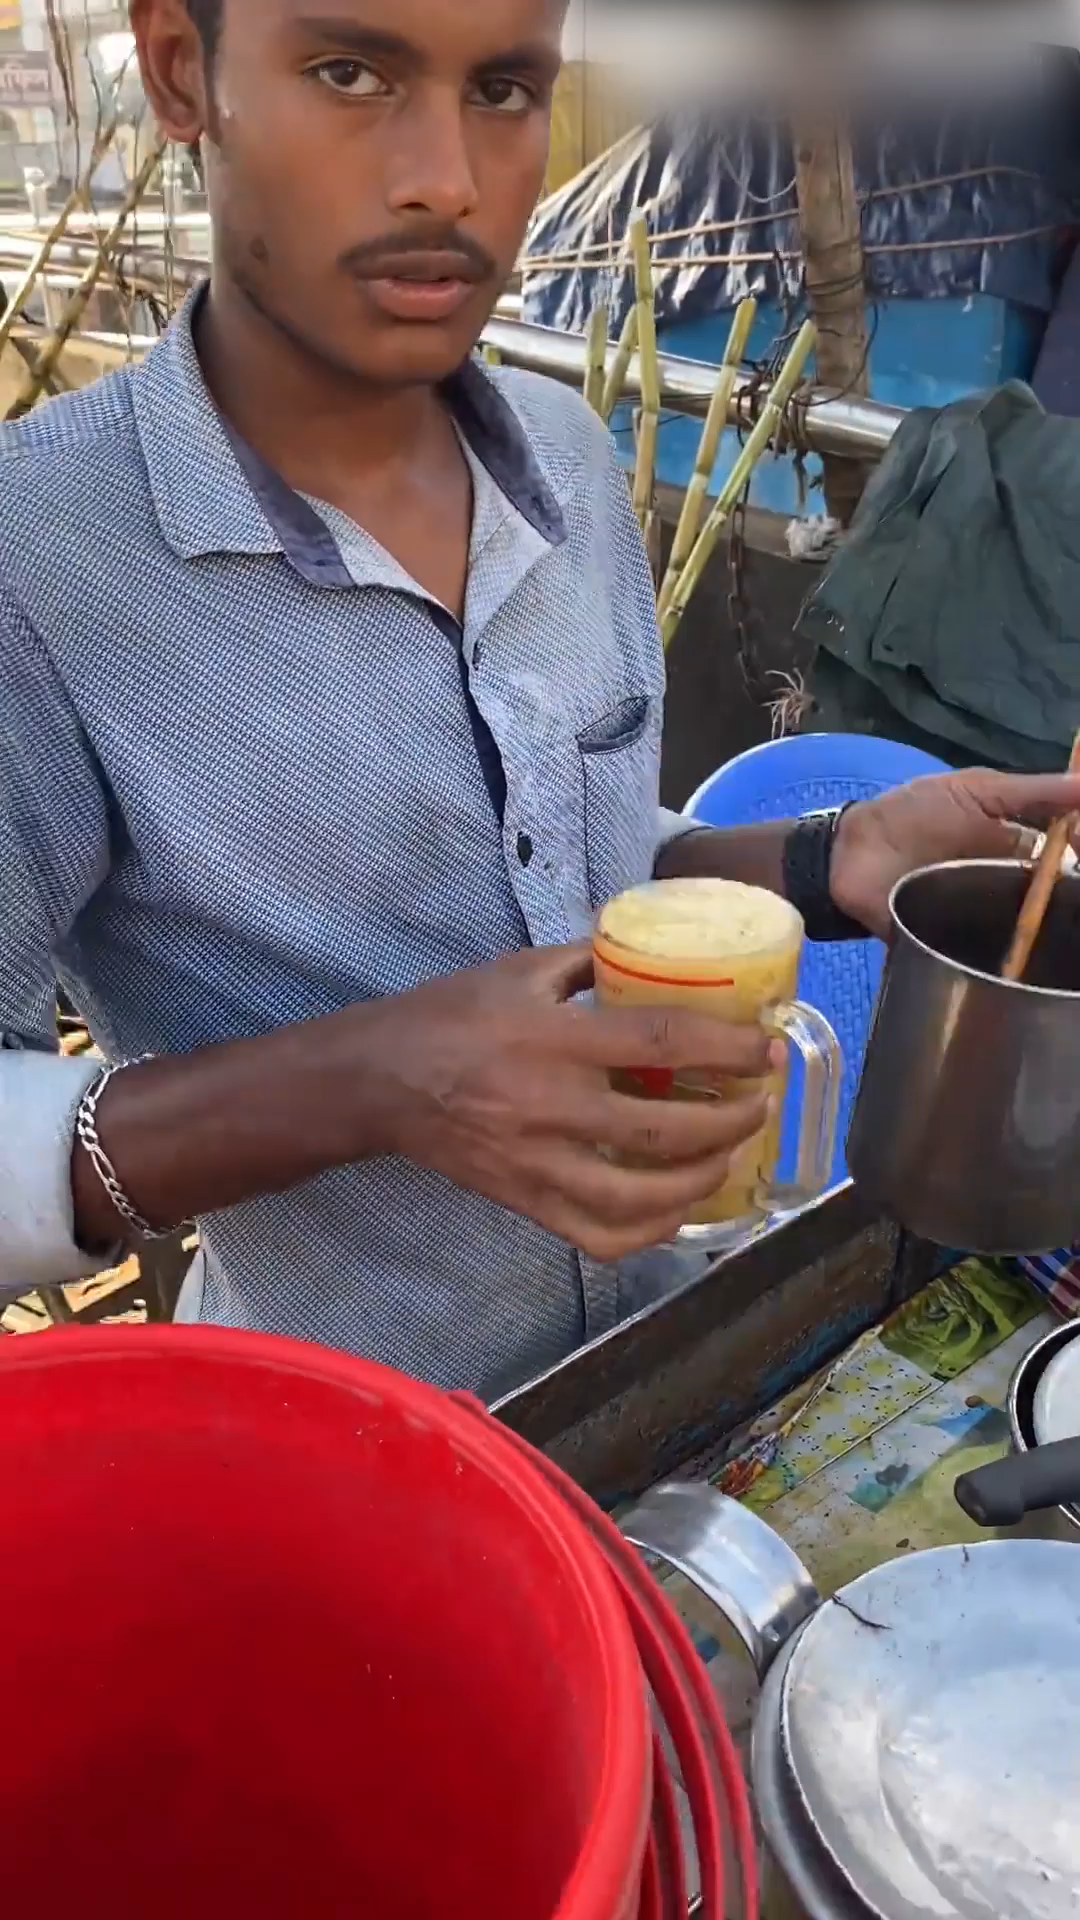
{"x":25,"y":80}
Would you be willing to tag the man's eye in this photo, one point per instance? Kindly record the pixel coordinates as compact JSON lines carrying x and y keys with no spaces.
{"x":503,"y":95}
{"x":347,"y":76}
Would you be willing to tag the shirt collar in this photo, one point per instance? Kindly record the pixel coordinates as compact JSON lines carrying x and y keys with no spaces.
{"x":214,"y":494}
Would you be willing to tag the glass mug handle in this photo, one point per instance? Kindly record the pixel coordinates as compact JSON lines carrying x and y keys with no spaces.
{"x":810,"y":1034}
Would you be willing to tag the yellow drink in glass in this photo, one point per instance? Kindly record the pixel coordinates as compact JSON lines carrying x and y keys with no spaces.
{"x":730,"y":952}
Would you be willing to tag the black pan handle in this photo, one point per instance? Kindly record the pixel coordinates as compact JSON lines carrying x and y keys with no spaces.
{"x":999,"y":1495}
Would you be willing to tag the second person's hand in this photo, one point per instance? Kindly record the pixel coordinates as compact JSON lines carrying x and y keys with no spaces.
{"x":499,"y":1079}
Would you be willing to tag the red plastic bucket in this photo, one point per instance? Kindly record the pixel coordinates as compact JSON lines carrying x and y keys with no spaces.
{"x":292,"y":1635}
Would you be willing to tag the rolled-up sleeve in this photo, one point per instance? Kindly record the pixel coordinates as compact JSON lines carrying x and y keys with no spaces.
{"x":54,"y":852}
{"x":673,"y":826}
{"x":39,"y":1094}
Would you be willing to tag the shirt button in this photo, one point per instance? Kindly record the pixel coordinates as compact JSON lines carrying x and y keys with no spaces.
{"x":524,"y":849}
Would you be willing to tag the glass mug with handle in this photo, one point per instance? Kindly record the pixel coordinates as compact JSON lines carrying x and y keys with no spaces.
{"x":730,"y":952}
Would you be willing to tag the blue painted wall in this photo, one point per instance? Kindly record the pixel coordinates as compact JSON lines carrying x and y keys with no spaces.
{"x":925,"y":353}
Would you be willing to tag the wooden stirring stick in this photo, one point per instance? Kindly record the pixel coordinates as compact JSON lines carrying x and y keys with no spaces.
{"x":1043,"y":881}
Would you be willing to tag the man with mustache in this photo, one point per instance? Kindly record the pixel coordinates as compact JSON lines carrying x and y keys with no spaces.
{"x":331,"y":706}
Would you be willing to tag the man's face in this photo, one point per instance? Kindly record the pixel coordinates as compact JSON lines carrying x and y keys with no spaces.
{"x":371,"y":170}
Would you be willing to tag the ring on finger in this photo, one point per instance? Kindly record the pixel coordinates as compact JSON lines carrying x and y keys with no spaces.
{"x":1030,"y":843}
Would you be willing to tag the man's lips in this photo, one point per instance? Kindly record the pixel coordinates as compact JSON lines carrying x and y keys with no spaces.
{"x":423,"y":286}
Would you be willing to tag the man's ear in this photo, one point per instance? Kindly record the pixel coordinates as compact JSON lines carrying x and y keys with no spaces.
{"x":173,"y":68}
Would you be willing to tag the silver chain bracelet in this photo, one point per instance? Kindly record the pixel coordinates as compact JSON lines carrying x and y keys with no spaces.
{"x":86,"y":1128}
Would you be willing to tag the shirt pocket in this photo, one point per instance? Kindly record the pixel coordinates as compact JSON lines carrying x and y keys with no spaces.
{"x":620,"y":761}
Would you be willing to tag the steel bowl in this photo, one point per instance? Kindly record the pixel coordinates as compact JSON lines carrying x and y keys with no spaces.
{"x":1060,"y":1522}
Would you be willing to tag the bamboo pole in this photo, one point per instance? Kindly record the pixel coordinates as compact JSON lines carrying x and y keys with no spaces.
{"x":41,"y":258}
{"x":648,"y":422}
{"x":1044,"y":880}
{"x":620,"y":365}
{"x":830,"y":229}
{"x":596,"y":346}
{"x":767,"y":426}
{"x":716,"y":420}
{"x":54,"y":345}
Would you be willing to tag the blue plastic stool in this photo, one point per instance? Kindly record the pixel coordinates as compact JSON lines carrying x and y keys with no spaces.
{"x":803,"y":773}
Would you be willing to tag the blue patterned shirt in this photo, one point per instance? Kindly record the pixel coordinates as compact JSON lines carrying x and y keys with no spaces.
{"x":251,"y":773}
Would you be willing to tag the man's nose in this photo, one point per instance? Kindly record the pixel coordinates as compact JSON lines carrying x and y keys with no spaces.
{"x":429,"y":168}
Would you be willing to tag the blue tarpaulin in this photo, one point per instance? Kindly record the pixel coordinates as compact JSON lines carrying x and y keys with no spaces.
{"x":983,"y":199}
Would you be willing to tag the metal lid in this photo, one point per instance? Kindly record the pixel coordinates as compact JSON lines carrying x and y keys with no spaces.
{"x":931,"y":1722}
{"x":1055,"y":1407}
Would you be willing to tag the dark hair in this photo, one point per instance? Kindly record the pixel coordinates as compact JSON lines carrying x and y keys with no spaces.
{"x":207,"y":17}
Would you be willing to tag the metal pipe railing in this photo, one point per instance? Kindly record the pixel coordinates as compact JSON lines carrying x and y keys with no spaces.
{"x":861,"y":429}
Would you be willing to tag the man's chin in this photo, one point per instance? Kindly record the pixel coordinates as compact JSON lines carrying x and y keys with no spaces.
{"x":354,"y":338}
{"x":394,"y":352}
{"x":424,"y":360}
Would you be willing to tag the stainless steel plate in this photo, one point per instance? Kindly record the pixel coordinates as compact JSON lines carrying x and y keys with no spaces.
{"x":931,"y":1721}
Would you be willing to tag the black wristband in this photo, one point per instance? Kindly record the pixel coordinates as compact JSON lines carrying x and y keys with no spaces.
{"x":806,"y":862}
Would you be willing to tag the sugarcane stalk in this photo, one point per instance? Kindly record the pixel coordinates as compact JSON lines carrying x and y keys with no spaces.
{"x":648,"y":420}
{"x":53,"y":347}
{"x":620,"y":365}
{"x":765,"y":428}
{"x":45,"y":250}
{"x":693,"y":508}
{"x":596,"y":345}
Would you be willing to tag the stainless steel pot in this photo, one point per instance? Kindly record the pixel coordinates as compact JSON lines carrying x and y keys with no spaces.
{"x":918,"y":1736}
{"x":966,"y":1129}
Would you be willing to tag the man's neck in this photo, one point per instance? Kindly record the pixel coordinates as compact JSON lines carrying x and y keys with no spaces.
{"x":305,"y":417}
